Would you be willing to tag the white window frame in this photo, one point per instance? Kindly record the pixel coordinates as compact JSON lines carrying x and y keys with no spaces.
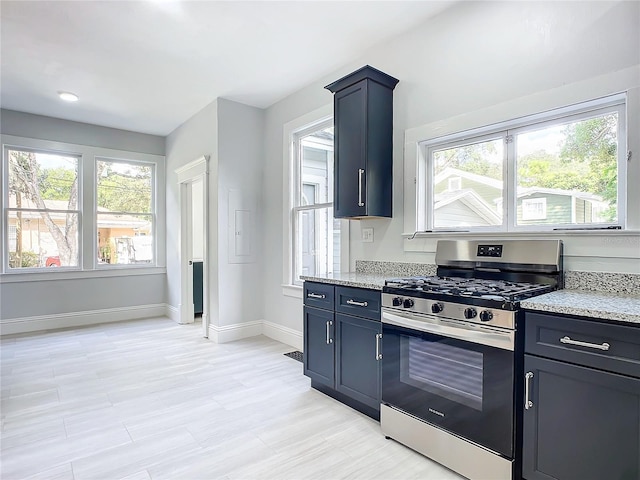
{"x":508,"y":130}
{"x":291,"y":171}
{"x":152,"y":214}
{"x":87,"y":222}
{"x":540,"y":205}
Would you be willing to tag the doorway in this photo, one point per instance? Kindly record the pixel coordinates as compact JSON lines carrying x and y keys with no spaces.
{"x":193,"y":180}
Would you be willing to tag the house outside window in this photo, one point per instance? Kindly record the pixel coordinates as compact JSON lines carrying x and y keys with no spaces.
{"x":125,"y":219}
{"x":561,"y":169}
{"x":42,"y":209}
{"x":316,"y":234}
{"x":74,"y":207}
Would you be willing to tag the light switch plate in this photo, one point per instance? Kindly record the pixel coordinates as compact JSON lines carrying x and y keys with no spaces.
{"x":367,"y":235}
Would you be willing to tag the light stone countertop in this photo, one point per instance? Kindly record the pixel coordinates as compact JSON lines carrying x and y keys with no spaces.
{"x":598,"y":305}
{"x":373,"y":281}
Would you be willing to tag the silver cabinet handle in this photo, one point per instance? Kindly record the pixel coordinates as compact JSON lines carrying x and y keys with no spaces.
{"x":360,"y":172}
{"x":378,"y":354}
{"x":358,"y":304}
{"x":527,"y":401}
{"x":605,"y":346}
{"x":316,"y":295}
{"x":329,"y":339}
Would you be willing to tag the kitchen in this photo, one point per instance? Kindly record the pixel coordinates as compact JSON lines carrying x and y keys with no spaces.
{"x":545,"y":54}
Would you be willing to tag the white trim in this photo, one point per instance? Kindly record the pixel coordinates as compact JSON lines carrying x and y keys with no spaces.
{"x":292,"y":291}
{"x":63,"y":274}
{"x":283,"y":334}
{"x":75,"y":319}
{"x":626,"y":80}
{"x":238,"y":331}
{"x":172,"y":312}
{"x":192,"y":169}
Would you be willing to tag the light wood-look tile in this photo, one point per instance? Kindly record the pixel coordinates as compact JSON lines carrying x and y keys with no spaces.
{"x":150,"y":399}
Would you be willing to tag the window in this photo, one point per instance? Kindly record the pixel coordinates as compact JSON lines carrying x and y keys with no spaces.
{"x":42,"y":209}
{"x":316,"y":234}
{"x":564,"y":169}
{"x":71,"y":207}
{"x":125,"y":220}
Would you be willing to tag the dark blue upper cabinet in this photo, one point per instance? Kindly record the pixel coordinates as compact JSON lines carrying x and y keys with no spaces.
{"x":363,"y":120}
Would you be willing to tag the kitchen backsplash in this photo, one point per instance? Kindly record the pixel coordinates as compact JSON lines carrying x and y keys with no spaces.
{"x":621,"y":283}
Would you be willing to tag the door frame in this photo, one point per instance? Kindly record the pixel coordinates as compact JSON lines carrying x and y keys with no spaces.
{"x":187,"y":175}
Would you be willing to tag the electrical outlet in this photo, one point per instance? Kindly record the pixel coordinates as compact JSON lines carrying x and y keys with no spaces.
{"x":367,"y":235}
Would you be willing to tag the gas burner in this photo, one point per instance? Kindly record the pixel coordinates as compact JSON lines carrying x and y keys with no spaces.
{"x":463,"y":287}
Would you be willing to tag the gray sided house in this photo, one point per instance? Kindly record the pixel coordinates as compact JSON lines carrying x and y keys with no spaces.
{"x":469,"y":199}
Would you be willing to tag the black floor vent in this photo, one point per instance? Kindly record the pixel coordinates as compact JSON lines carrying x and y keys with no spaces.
{"x":295,"y":355}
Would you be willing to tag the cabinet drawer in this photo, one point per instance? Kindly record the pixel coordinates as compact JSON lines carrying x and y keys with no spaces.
{"x":358,"y":301}
{"x":615,"y":348}
{"x":319,"y":295}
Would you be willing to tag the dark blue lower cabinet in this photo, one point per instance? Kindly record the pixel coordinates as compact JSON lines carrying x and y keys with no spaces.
{"x":358,"y":353}
{"x":319,"y":346}
{"x":343,"y":345}
{"x":581,"y":423}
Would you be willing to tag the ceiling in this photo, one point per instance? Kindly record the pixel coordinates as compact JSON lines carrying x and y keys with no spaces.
{"x":148,"y":66}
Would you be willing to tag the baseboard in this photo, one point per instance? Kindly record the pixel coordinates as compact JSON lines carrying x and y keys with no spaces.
{"x":172,"y":312}
{"x":230,"y":333}
{"x":75,"y":319}
{"x":282,"y":334}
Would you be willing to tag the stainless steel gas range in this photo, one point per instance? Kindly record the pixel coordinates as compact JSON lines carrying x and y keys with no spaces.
{"x":448,"y":369}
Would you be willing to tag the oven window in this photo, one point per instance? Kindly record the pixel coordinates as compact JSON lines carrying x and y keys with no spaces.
{"x":444,"y":370}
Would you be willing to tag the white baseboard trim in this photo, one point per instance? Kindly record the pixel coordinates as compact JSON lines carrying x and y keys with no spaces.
{"x":230,"y":333}
{"x":172,"y":312}
{"x":282,"y":334}
{"x":75,"y":319}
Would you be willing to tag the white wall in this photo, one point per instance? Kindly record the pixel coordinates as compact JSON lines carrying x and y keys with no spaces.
{"x":469,"y":58}
{"x":47,"y":300}
{"x":232,"y":134}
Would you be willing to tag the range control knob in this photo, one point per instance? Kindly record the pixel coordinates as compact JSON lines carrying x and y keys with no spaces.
{"x":397,"y":301}
{"x":470,"y":312}
{"x":408,"y":303}
{"x":437,"y":307}
{"x":486,"y":315}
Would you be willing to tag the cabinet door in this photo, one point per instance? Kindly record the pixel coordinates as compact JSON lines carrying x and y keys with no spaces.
{"x":583,"y":424}
{"x":350,"y":107}
{"x":318,"y":355}
{"x":358,"y":372}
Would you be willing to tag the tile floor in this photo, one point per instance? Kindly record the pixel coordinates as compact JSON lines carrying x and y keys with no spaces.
{"x":151,"y":399}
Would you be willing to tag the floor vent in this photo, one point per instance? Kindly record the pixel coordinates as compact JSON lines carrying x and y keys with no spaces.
{"x":295,"y":355}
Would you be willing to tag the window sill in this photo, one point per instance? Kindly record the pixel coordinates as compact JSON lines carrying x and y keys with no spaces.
{"x":292,"y":291}
{"x":522,"y":234}
{"x":48,"y":275}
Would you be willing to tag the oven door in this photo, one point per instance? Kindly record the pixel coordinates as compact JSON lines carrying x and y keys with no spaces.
{"x":452,"y":374}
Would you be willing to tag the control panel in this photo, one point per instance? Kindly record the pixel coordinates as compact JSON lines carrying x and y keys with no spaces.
{"x":489,"y":251}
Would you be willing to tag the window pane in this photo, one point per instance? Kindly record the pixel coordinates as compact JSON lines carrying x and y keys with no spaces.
{"x":318,"y":242}
{"x":317,"y":167}
{"x":42,"y":239}
{"x":568,"y":174}
{"x":468,"y":185}
{"x":125,"y":239}
{"x":42,"y":180}
{"x":124,"y":187}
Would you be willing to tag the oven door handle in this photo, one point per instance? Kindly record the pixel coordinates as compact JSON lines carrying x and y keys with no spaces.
{"x":503,"y":339}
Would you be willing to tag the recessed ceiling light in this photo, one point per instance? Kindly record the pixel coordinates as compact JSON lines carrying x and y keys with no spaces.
{"x":68,"y":96}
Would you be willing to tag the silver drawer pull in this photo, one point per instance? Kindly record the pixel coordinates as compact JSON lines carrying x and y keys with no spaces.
{"x":360,"y":202}
{"x":378,"y":354}
{"x":329,"y":339}
{"x":527,"y":401}
{"x":316,"y":295}
{"x":358,"y":304}
{"x":605,"y":346}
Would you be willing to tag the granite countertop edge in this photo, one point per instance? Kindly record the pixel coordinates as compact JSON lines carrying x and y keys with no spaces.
{"x":372,"y":281}
{"x":582,"y":303}
{"x":597,"y":305}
